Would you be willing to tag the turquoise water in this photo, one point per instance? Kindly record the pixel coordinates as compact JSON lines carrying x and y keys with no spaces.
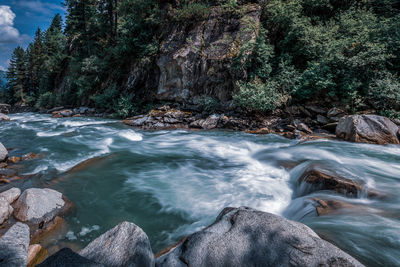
{"x":172,"y":183}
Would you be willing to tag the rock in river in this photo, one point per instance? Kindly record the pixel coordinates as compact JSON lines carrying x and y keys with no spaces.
{"x":10,"y":195}
{"x":370,"y":129}
{"x":124,"y":245}
{"x":247,"y":237}
{"x":5,"y":210}
{"x":38,"y":205}
{"x":14,"y":246}
{"x":3,"y":152}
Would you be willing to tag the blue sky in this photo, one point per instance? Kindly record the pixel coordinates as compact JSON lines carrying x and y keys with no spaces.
{"x":19,"y":20}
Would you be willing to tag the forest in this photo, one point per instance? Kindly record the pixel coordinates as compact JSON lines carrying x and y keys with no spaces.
{"x":306,"y":50}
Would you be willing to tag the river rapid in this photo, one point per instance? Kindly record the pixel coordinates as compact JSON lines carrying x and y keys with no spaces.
{"x":172,"y":183}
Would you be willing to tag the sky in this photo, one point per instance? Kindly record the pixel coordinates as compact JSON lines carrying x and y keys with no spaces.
{"x":19,"y":20}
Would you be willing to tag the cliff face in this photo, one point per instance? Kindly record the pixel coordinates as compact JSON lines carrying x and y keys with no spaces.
{"x":196,"y":57}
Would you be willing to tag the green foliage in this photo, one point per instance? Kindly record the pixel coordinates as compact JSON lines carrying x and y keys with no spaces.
{"x":208,"y":104}
{"x":257,"y":95}
{"x":348,"y":49}
{"x":45,"y":100}
{"x":192,"y":11}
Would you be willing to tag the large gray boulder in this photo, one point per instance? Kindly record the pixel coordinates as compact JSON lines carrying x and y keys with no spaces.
{"x":124,"y":245}
{"x":372,"y":129}
{"x":3,"y":152}
{"x":38,"y":205}
{"x":14,"y":246}
{"x":247,"y":237}
{"x":10,"y":195}
{"x":5,"y":210}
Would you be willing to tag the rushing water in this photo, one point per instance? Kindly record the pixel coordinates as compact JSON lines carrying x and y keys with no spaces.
{"x":172,"y":183}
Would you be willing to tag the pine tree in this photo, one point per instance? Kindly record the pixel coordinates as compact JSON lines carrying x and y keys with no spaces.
{"x":16,"y":76}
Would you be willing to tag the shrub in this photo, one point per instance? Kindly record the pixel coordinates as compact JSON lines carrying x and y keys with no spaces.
{"x":45,"y":100}
{"x":257,"y":95}
{"x":192,"y":11}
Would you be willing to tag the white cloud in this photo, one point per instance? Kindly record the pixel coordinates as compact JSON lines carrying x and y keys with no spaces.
{"x":2,"y":68}
{"x":9,"y":34}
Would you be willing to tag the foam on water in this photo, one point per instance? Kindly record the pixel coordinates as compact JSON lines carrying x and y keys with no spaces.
{"x":172,"y":183}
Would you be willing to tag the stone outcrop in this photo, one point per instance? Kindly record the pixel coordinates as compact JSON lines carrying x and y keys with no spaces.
{"x":247,"y":237}
{"x":196,"y":58}
{"x":3,"y":152}
{"x":60,"y":112}
{"x":370,"y":129}
{"x":38,"y":205}
{"x":14,"y":246}
{"x":124,"y":245}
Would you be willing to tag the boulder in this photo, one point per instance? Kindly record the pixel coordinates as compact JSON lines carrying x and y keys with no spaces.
{"x":5,"y":108}
{"x":322,"y":119}
{"x":335,"y":113}
{"x":67,"y":258}
{"x":66,"y":113}
{"x":316,"y":109}
{"x":4,"y":117}
{"x":38,"y":205}
{"x":14,"y":246}
{"x":247,"y":237}
{"x":124,"y":245}
{"x":10,"y":195}
{"x":3,"y":152}
{"x":211,"y":122}
{"x":372,"y":129}
{"x":324,"y":181}
{"x":5,"y":211}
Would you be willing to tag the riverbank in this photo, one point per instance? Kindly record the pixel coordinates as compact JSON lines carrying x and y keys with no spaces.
{"x":174,"y":183}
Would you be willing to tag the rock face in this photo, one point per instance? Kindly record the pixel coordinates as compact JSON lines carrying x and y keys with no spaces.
{"x":124,"y":245}
{"x":38,"y":205}
{"x":67,"y":258}
{"x":196,"y":58}
{"x":247,"y":237}
{"x":3,"y":152}
{"x":371,"y":129}
{"x":14,"y":246}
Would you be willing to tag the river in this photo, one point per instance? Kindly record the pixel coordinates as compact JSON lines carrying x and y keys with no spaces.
{"x":172,"y":183}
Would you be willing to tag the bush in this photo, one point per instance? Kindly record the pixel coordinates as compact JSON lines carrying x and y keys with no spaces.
{"x":260,"y":96}
{"x":124,"y":107}
{"x":384,"y":92}
{"x":46,"y":100}
{"x":192,"y":11}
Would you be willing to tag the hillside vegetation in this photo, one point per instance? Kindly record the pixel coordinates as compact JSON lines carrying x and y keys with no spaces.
{"x":305,"y":50}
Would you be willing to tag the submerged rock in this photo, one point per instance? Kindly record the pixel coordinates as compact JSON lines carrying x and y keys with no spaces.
{"x":370,"y":129}
{"x":325,"y":181}
{"x":14,"y":246}
{"x":38,"y":205}
{"x":247,"y":237}
{"x":124,"y":245}
{"x":67,"y":258}
{"x":3,"y":152}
